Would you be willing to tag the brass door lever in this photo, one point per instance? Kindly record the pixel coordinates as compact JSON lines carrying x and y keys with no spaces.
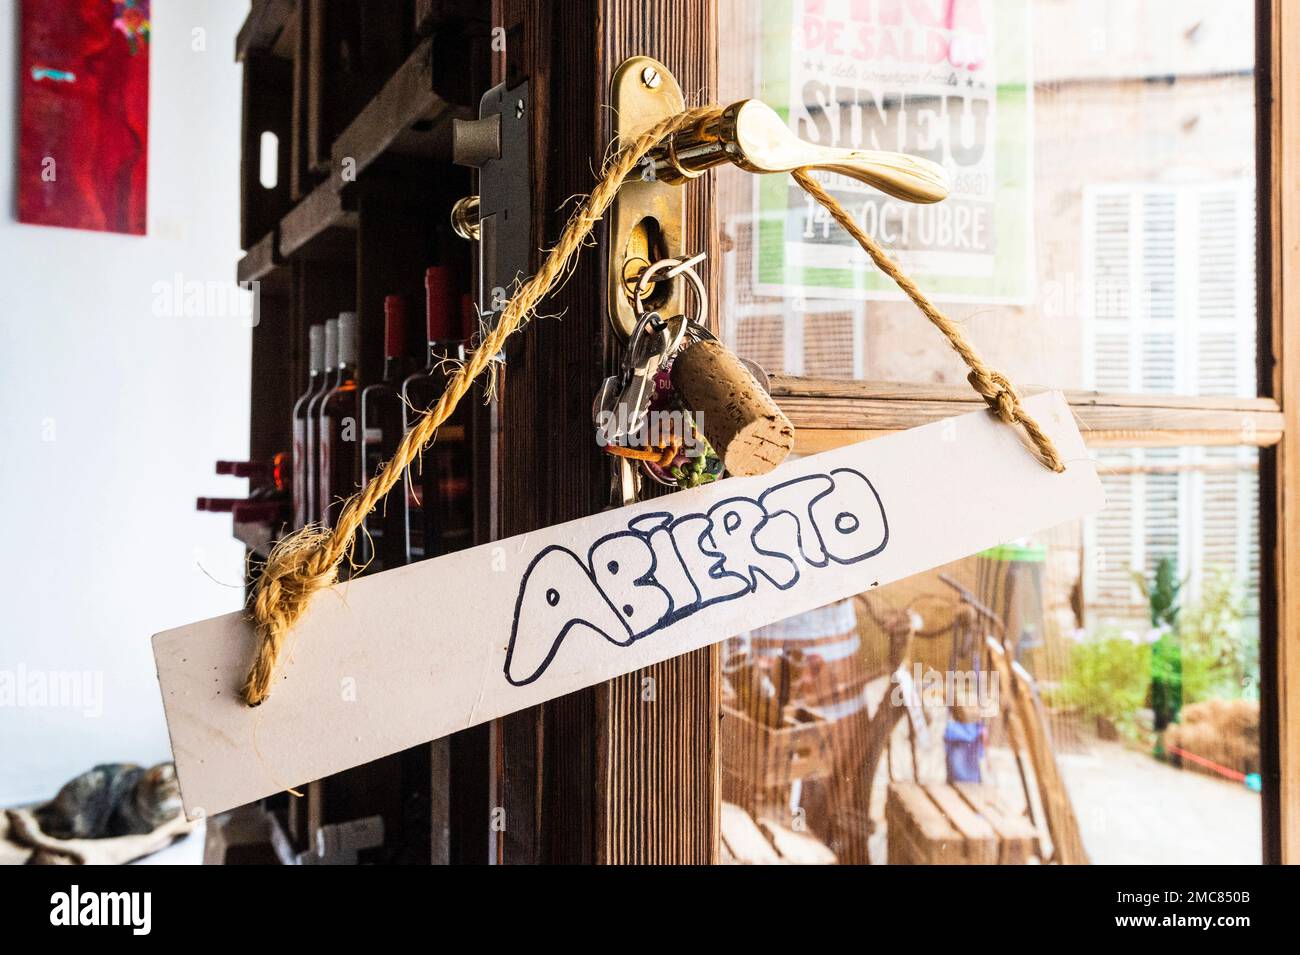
{"x":753,"y":136}
{"x":647,"y":220}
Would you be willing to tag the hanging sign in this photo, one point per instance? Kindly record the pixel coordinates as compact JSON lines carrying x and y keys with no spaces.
{"x":942,"y":80}
{"x":382,"y":663}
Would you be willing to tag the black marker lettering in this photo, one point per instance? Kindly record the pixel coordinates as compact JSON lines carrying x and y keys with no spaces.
{"x":623,"y":565}
{"x":670,"y":573}
{"x":796,"y":498}
{"x":704,"y":563}
{"x":736,"y":523}
{"x":850,"y":519}
{"x":662,"y":570}
{"x":557,"y":596}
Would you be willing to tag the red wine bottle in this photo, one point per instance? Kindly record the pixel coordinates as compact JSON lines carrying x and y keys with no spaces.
{"x":439,"y":513}
{"x":316,"y":354}
{"x":275,"y":475}
{"x":340,"y":426}
{"x":311,"y":487}
{"x":382,"y":423}
{"x":259,"y":508}
{"x":218,"y":505}
{"x":273,"y":512}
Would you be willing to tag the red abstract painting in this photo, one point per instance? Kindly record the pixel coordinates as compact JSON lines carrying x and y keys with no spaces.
{"x":84,"y":130}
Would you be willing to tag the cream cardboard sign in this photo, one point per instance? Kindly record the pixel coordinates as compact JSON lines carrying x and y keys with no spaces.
{"x":385,"y":662}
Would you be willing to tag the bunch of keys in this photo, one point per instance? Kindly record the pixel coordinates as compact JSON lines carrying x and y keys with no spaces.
{"x":638,"y":413}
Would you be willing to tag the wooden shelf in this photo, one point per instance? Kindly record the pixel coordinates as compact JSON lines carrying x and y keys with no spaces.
{"x":261,"y":260}
{"x":334,"y":80}
{"x":314,"y":221}
{"x":405,"y":118}
{"x":321,"y":226}
{"x":264,"y":26}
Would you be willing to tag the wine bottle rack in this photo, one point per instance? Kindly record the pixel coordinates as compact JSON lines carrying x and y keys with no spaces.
{"x":358,"y":96}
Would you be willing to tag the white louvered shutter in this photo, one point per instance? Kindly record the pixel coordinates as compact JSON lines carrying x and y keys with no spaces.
{"x":1224,"y":334}
{"x":1228,"y":509}
{"x":1110,"y":287}
{"x":1221,"y":518}
{"x":1111,"y":539}
{"x":1162,"y":509}
{"x":1169,"y":277}
{"x":1170,"y":298}
{"x":1159,"y":278}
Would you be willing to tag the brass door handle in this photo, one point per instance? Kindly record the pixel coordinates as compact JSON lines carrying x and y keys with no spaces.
{"x":753,"y":136}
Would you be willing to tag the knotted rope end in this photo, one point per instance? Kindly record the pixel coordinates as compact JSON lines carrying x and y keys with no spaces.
{"x":1003,"y":400}
{"x":298,"y":566}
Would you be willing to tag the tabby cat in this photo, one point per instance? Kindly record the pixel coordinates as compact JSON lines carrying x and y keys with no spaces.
{"x":113,"y":799}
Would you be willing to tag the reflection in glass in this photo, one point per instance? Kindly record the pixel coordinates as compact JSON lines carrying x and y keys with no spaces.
{"x":1100,"y":233}
{"x":1086,"y":695}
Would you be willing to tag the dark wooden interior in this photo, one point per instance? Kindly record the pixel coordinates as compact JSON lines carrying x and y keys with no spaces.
{"x":360,"y":97}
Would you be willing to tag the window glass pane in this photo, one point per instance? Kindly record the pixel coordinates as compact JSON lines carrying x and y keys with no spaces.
{"x":879,"y":730}
{"x":1100,"y":232}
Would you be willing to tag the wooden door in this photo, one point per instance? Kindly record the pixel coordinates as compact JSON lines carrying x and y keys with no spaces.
{"x":627,"y":771}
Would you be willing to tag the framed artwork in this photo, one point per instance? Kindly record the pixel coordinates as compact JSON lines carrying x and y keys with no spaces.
{"x":83,"y":152}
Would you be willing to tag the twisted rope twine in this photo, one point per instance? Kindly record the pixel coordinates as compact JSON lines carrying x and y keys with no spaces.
{"x":996,"y":390}
{"x":308,"y":560}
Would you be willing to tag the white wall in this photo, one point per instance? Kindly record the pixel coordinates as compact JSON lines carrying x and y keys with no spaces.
{"x":112,"y":417}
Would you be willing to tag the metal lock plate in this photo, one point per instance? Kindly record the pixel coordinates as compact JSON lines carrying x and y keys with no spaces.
{"x":504,"y":209}
{"x":648,"y":218}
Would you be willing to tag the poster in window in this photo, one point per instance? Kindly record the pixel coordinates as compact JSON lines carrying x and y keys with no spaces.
{"x":944,"y":79}
{"x":84,"y":114}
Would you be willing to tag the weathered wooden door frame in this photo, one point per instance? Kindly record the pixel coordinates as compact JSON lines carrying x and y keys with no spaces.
{"x":1278,"y":137}
{"x":627,"y":771}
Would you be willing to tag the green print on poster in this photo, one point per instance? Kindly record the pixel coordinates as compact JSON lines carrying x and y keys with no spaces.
{"x":944,"y":79}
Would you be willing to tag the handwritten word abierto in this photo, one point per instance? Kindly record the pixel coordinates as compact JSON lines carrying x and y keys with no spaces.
{"x":663,"y":569}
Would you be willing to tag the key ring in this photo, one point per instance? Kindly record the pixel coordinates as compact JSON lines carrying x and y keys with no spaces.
{"x":695,"y":327}
{"x":639,"y":416}
{"x":673,"y":268}
{"x":647,"y":322}
{"x":621,"y":403}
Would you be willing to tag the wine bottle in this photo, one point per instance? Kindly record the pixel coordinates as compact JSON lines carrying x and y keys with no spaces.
{"x":382,"y":423}
{"x":217,"y":505}
{"x":274,"y":474}
{"x":316,"y":355}
{"x":311,"y":487}
{"x":439,"y":516}
{"x":340,"y":426}
{"x":268,"y":489}
{"x":260,"y":512}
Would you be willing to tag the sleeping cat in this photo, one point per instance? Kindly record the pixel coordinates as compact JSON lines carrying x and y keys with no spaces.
{"x":113,"y":799}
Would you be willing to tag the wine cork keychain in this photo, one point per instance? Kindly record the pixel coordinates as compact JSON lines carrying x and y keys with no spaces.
{"x":740,"y":419}
{"x":684,"y":406}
